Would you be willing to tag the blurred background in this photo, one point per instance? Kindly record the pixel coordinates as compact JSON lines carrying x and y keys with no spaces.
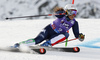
{"x":17,"y":8}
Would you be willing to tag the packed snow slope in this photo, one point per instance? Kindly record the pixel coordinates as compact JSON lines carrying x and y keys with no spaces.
{"x":13,"y":31}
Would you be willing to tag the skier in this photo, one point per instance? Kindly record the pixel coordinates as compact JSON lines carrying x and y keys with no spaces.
{"x":57,"y":31}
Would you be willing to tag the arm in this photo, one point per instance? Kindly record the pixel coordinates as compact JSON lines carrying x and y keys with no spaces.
{"x":78,"y":35}
{"x":75,"y":29}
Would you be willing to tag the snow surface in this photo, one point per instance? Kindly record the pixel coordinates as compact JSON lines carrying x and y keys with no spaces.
{"x":13,"y":31}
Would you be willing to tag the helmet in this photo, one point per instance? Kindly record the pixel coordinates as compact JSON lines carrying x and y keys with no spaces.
{"x":70,"y":9}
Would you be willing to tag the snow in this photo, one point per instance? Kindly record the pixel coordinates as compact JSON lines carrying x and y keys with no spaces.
{"x":13,"y":31}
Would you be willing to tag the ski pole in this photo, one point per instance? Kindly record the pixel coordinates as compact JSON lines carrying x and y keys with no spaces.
{"x":34,"y":16}
{"x":68,"y":40}
{"x":72,"y":1}
{"x":72,"y":39}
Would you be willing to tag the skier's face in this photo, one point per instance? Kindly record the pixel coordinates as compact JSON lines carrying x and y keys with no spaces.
{"x":71,"y":13}
{"x":71,"y":17}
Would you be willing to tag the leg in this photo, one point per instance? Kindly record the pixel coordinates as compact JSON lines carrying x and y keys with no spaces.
{"x":43,"y":35}
{"x":57,"y":38}
{"x":26,"y":43}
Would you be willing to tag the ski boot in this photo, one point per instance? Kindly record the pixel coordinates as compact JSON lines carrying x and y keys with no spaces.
{"x":16,"y":45}
{"x":46,"y":44}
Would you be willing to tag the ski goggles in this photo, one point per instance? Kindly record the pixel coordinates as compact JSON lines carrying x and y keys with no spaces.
{"x":71,"y":12}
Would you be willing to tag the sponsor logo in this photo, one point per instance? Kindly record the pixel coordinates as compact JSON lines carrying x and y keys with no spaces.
{"x":59,"y":29}
{"x":53,"y":26}
{"x":72,"y":22}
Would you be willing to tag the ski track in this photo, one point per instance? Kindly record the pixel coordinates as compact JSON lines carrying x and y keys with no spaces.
{"x":13,"y":31}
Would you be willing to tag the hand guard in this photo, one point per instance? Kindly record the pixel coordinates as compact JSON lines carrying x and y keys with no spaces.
{"x":81,"y":37}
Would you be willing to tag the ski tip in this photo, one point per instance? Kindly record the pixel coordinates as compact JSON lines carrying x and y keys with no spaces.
{"x":76,"y":49}
{"x":42,"y":51}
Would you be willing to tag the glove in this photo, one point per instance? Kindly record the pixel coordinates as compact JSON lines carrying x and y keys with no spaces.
{"x":81,"y":37}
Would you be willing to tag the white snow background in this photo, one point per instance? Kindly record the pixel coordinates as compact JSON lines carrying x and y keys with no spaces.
{"x":13,"y":31}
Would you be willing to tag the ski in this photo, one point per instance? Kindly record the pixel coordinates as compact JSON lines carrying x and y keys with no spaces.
{"x":42,"y":50}
{"x":32,"y":51}
{"x":61,"y":49}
